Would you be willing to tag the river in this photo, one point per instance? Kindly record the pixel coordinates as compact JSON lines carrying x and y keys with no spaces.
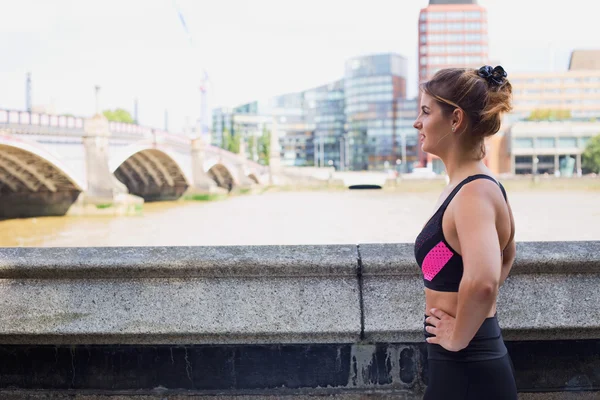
{"x":311,"y":217}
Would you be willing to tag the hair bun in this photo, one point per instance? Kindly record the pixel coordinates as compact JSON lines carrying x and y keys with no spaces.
{"x":494,"y":76}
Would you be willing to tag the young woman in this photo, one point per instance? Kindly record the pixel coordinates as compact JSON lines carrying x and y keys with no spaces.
{"x":467,"y":248}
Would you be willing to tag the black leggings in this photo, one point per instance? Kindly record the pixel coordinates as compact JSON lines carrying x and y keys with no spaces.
{"x":483,"y":370}
{"x":478,"y":380}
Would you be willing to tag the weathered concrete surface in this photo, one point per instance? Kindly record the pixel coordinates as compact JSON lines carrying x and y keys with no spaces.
{"x":179,"y":295}
{"x":277,"y":321}
{"x":178,"y":262}
{"x":25,"y":395}
{"x":551,"y":293}
{"x":339,"y":396}
{"x":282,"y":310}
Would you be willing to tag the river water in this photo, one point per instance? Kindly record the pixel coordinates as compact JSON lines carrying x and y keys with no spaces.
{"x":312,"y":217}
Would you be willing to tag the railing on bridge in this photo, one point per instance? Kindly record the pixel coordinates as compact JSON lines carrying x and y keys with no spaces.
{"x":23,"y":120}
{"x":19,"y":119}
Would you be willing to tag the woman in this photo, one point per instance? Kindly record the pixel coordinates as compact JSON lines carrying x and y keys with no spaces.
{"x":467,"y":248}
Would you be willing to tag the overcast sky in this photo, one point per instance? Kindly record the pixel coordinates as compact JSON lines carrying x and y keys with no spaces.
{"x":251,"y":49}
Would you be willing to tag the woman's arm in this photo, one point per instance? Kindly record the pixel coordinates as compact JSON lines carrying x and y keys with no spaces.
{"x":475,"y":220}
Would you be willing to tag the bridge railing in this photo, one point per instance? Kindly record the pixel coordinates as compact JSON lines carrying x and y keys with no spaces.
{"x":22,"y":119}
{"x":121,"y":128}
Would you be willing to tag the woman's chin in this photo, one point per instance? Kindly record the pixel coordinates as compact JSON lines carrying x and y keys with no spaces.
{"x":429,"y":150}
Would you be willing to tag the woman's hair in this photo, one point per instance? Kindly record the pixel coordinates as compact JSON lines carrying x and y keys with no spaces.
{"x":484,"y":95}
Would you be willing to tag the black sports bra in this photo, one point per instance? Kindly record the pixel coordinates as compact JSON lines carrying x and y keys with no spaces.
{"x":442,"y":267}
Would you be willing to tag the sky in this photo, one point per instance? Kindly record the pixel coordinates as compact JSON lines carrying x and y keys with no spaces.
{"x":250,"y":49}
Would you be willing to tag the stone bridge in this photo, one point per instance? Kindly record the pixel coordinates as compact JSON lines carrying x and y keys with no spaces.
{"x":47,"y":162}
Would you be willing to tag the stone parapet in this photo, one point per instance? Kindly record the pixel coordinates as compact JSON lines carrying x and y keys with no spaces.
{"x":343,"y":321}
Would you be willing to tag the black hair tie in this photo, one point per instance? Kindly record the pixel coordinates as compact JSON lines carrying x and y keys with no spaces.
{"x":494,"y":76}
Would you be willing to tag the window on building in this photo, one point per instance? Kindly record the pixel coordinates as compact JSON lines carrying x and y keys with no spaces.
{"x":567,"y":142}
{"x":523,"y":143}
{"x":523,"y":159}
{"x":583,"y":141}
{"x":545,"y":143}
{"x":455,"y":15}
{"x":437,"y":16}
{"x":473,"y":37}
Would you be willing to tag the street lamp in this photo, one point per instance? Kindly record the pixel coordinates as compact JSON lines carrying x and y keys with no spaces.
{"x":97,"y":89}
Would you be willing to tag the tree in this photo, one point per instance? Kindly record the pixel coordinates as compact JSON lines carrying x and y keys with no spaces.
{"x":230,"y":142}
{"x":264,"y":147}
{"x":118,"y":115}
{"x":549,"y":114}
{"x":234,"y":146}
{"x":252,"y":147}
{"x":590,"y":160}
{"x":226,"y":139}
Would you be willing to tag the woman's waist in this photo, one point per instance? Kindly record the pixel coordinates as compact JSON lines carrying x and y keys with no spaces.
{"x":489,"y":329}
{"x":447,"y":302}
{"x":487,"y":344}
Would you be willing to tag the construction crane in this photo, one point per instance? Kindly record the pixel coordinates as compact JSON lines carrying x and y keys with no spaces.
{"x":204,"y":81}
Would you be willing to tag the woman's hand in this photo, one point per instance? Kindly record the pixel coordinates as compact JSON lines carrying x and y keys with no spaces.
{"x":443,"y":329}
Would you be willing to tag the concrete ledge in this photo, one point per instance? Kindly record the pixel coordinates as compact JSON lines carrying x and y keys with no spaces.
{"x":273,"y":322}
{"x":262,"y":294}
{"x":177,"y":262}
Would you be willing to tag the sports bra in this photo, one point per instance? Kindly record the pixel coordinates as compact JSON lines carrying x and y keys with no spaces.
{"x":442,"y":266}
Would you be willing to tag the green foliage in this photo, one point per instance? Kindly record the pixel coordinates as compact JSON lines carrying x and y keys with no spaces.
{"x":205,"y":197}
{"x":225,"y":139}
{"x":235,"y":143}
{"x":252,"y":147}
{"x":549,"y":114}
{"x":590,"y":160}
{"x":264,"y":147}
{"x":231,"y":142}
{"x":118,"y":115}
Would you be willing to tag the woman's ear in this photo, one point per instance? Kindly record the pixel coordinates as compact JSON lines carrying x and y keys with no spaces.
{"x":458,"y":120}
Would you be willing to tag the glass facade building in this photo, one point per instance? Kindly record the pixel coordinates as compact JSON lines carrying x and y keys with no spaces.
{"x":326,"y":120}
{"x":373,"y":85}
{"x":360,"y":122}
{"x":222,"y":123}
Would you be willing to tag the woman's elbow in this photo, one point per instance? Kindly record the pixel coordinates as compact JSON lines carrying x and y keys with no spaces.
{"x":483,"y":289}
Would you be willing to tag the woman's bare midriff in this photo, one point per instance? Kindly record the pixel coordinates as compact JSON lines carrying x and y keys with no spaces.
{"x":445,"y":301}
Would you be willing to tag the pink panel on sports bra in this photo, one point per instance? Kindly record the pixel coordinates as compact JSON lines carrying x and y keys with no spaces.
{"x":435,"y":260}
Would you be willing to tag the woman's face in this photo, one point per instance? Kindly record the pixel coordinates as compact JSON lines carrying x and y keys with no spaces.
{"x":435,"y":129}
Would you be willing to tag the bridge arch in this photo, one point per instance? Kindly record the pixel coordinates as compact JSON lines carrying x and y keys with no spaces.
{"x":150,"y":173}
{"x":253,"y":178}
{"x":222,"y":176}
{"x":33,"y":182}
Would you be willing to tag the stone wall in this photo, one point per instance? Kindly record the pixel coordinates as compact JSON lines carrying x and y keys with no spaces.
{"x":273,"y":322}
